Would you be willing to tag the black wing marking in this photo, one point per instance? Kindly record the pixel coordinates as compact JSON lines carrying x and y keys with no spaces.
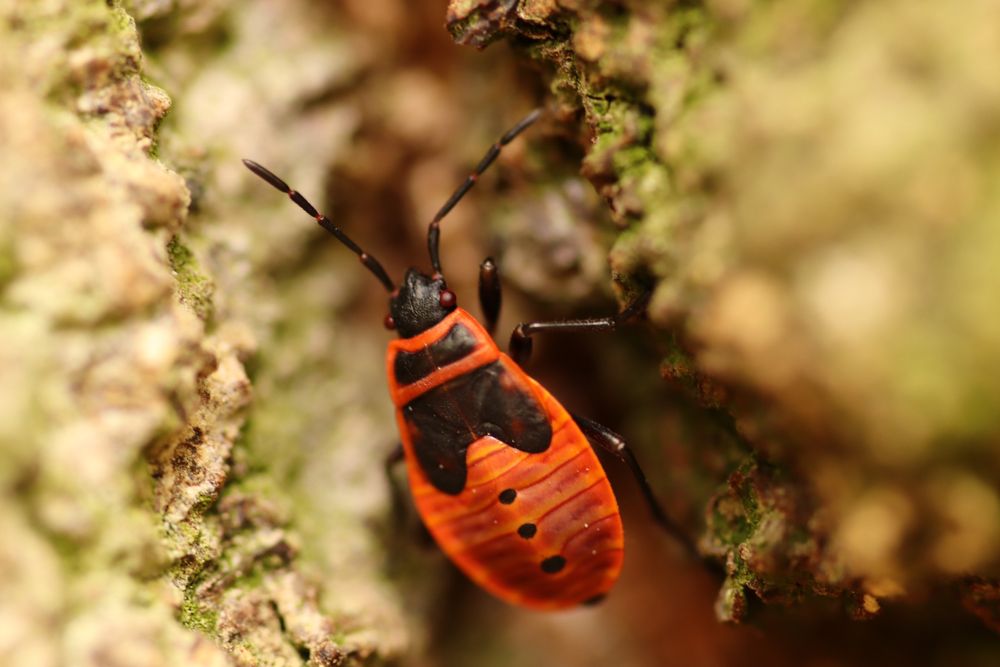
{"x":444,"y":421}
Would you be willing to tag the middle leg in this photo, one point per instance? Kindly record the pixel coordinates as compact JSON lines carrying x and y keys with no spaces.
{"x":520,"y":339}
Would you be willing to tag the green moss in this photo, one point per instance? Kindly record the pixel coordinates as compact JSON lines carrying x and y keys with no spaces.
{"x":729,"y":529}
{"x":748,"y":496}
{"x":731,"y":602}
{"x":8,"y":260}
{"x":197,"y":616}
{"x":121,"y":20}
{"x":204,"y":502}
{"x":196,"y":289}
{"x":478,"y":24}
{"x":737,"y":514}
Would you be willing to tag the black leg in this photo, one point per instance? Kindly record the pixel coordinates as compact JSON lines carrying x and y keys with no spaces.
{"x":490,"y":293}
{"x":615,"y":444}
{"x":396,"y":495}
{"x":520,"y":338}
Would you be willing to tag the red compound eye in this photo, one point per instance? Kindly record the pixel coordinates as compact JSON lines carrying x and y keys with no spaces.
{"x":447,"y":298}
{"x":389,"y":323}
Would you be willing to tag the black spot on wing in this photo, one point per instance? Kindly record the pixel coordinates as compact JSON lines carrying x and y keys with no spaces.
{"x":553,"y":564}
{"x":444,"y":421}
{"x":409,"y":367}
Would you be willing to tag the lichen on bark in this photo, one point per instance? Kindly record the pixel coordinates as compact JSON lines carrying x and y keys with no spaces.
{"x":136,"y":529}
{"x":96,"y":348}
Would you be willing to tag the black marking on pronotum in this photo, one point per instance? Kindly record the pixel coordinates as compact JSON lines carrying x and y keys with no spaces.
{"x":445,"y":420}
{"x":553,"y":564}
{"x":527,"y":530}
{"x":507,"y":496}
{"x":597,"y":599}
{"x":456,"y":344}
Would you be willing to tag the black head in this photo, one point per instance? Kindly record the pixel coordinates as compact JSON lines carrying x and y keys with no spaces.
{"x":419,"y":303}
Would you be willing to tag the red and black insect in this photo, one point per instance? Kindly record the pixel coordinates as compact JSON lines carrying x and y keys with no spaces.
{"x":502,"y":475}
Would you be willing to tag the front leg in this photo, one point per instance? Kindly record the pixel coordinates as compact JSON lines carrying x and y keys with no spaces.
{"x":490,"y":293}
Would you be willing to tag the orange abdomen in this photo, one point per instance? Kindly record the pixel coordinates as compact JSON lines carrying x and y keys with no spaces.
{"x":535,"y":528}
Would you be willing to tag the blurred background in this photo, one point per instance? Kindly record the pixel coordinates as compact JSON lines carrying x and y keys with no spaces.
{"x":193,"y":414}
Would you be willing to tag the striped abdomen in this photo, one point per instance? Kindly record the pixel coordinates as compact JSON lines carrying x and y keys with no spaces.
{"x":502,"y":476}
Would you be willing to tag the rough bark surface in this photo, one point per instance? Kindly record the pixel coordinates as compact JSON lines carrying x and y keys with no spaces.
{"x":813,"y":186}
{"x":192,"y":408}
{"x":140,"y":526}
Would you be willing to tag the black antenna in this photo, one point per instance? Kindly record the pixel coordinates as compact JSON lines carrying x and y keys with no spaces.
{"x":370,"y":262}
{"x":434,"y":230}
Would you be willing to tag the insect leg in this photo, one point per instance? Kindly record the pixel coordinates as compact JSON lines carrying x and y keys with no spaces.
{"x":520,"y":338}
{"x":490,"y":293}
{"x":397,"y":497}
{"x":396,"y":494}
{"x":613,"y":443}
